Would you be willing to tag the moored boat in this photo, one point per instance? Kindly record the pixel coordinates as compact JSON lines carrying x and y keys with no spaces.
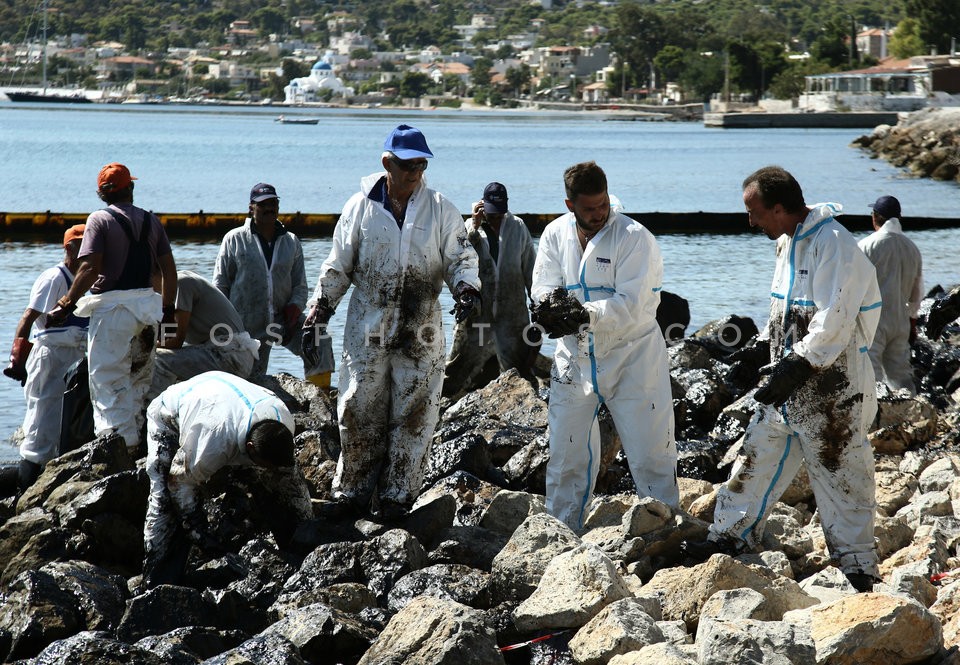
{"x":297,"y":121}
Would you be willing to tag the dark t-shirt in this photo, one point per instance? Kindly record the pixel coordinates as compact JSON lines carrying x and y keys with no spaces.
{"x":104,"y":236}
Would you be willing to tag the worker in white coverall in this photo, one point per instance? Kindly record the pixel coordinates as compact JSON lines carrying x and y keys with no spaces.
{"x":900,"y":275}
{"x":610,"y":349}
{"x":41,"y":366}
{"x":208,"y":335}
{"x":194,"y":429}
{"x":501,"y":334}
{"x":121,"y":246}
{"x":260,"y":269}
{"x":819,"y":394}
{"x":397,"y":242}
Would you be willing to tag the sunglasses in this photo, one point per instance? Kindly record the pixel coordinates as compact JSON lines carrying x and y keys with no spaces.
{"x":409,"y":165}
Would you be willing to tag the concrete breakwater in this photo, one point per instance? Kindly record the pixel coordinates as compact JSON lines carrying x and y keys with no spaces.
{"x":927,"y":143}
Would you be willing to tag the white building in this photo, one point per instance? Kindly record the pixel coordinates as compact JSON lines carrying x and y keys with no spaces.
{"x":310,"y":88}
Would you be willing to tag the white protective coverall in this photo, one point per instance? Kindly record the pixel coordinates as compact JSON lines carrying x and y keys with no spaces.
{"x":900,"y":275}
{"x":260,"y":293}
{"x":499,"y":329}
{"x":393,"y":340}
{"x":55,"y":350}
{"x":194,"y":429}
{"x":621,"y":361}
{"x":120,"y":343}
{"x":825,"y":304}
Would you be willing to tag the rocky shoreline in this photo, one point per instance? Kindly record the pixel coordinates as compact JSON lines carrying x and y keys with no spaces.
{"x":927,"y":143}
{"x":479,"y":567}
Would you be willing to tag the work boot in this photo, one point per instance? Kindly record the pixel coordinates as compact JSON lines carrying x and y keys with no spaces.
{"x":698,"y":551}
{"x":27,"y":474}
{"x":862,"y":582}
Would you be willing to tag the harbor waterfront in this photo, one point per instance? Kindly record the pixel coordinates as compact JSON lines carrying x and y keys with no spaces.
{"x":207,"y":159}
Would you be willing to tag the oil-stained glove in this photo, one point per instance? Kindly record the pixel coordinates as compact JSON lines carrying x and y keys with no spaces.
{"x":314,"y":329}
{"x":560,"y":314}
{"x":466,"y":303}
{"x":17,"y":369}
{"x":943,"y":312}
{"x":746,"y":362}
{"x":782,"y":379}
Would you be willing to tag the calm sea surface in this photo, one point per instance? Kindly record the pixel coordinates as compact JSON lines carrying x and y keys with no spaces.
{"x":189,"y":159}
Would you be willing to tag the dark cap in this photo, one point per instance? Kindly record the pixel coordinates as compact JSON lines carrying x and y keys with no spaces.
{"x":887,"y":207}
{"x":261,"y":192}
{"x":407,"y":142}
{"x":495,"y":199}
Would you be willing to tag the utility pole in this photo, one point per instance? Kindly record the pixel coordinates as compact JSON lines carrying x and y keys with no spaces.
{"x":623,"y":80}
{"x":853,"y":40}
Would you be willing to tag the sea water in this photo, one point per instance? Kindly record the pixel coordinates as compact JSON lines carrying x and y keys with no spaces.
{"x":188,"y":159}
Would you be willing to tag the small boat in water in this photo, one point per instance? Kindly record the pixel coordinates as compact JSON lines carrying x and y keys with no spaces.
{"x":297,"y":121}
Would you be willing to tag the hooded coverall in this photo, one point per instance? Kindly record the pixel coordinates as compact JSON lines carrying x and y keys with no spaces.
{"x":260,"y":292}
{"x":499,"y":329}
{"x":620,"y":361}
{"x":55,"y":350}
{"x":900,"y":275}
{"x":195,"y":428}
{"x":393,"y":340}
{"x":824,"y":306}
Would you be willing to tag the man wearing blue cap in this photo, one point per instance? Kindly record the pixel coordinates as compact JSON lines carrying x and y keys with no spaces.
{"x":900,"y":275}
{"x":397,"y":242}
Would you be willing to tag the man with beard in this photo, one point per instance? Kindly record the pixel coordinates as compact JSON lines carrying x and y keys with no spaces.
{"x":596,"y":284}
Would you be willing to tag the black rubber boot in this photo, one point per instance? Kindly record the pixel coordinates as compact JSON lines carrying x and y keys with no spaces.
{"x":27,"y":474}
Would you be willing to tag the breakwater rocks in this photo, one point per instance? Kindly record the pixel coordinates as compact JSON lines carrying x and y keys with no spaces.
{"x":478,"y":566}
{"x":926,"y":142}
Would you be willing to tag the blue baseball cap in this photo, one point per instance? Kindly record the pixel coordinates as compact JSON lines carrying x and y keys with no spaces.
{"x":407,"y":142}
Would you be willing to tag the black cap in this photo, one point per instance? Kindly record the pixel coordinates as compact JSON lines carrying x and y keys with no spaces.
{"x":495,"y":199}
{"x":261,"y":192}
{"x":887,"y":207}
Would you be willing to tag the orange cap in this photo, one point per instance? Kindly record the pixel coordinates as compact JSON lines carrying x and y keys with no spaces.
{"x":113,"y":178}
{"x":73,"y":233}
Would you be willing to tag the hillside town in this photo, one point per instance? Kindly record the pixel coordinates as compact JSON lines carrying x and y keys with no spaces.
{"x":334,"y":62}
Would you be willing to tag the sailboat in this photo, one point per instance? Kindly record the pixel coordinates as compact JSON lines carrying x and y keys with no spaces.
{"x":44,"y":94}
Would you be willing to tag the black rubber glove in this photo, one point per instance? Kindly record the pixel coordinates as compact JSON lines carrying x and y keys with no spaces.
{"x":314,"y":328}
{"x":943,"y":312}
{"x":782,"y":379}
{"x":466,"y":303}
{"x":746,"y":362}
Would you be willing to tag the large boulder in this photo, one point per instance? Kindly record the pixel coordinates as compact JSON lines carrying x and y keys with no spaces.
{"x":434,"y":631}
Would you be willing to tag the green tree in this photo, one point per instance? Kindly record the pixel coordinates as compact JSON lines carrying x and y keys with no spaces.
{"x":518,"y":78}
{"x":480,"y":76}
{"x":831,"y":45}
{"x":414,"y":84}
{"x":905,"y":40}
{"x":268,"y":20}
{"x":939,"y":21}
{"x":669,"y":61}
